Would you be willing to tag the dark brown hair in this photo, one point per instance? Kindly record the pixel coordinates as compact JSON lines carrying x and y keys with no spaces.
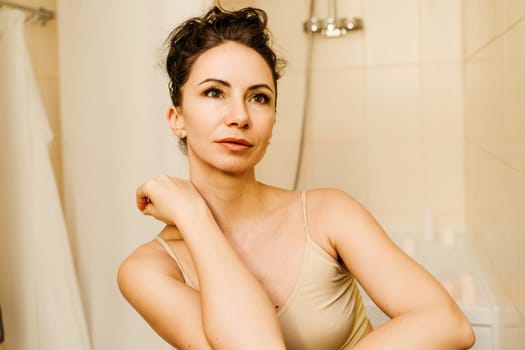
{"x":247,"y":26}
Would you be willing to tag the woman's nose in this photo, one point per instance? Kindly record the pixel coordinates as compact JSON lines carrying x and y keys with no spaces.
{"x":238,"y":115}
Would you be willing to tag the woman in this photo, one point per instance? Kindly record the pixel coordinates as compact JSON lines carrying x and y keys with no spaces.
{"x":244,"y":265}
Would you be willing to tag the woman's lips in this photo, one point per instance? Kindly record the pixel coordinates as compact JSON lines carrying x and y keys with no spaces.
{"x":235,"y":144}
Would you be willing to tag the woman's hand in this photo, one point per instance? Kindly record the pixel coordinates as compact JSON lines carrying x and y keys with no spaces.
{"x":169,"y":199}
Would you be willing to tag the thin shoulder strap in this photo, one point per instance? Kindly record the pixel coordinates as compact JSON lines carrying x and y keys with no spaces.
{"x":170,"y":251}
{"x":305,"y":216}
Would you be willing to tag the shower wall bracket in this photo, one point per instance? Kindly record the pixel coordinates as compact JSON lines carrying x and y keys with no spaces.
{"x":332,"y":27}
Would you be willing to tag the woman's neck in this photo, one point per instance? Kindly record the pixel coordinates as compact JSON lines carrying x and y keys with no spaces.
{"x":233,"y":199}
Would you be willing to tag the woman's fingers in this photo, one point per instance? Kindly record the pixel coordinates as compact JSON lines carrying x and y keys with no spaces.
{"x":168,"y":199}
{"x":153,"y":196}
{"x":143,"y":198}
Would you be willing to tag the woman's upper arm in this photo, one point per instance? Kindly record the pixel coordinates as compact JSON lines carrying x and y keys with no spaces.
{"x":148,"y":281}
{"x":395,"y":282}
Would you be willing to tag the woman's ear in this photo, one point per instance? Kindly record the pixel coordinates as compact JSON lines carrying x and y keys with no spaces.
{"x":176,"y":122}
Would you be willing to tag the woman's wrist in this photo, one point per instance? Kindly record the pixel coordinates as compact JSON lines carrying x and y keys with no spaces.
{"x":196,"y":225}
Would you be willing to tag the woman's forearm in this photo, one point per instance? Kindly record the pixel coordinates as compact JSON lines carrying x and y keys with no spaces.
{"x":236,"y":311}
{"x":438,"y":329}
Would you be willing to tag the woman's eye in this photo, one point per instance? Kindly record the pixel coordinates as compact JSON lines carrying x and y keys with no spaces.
{"x":213,"y":92}
{"x":261,"y":98}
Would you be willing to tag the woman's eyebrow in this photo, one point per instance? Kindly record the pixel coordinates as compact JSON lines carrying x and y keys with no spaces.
{"x":213,"y":80}
{"x":258,"y":86}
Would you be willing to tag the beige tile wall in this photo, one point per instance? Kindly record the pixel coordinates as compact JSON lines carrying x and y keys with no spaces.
{"x":385,"y":116}
{"x":495,"y":137}
{"x":43,"y":49}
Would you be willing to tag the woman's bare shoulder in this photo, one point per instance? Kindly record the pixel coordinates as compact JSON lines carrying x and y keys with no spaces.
{"x":153,"y":284}
{"x":332,"y":211}
{"x":150,"y":258}
{"x":153,"y":250}
{"x":332,"y":200}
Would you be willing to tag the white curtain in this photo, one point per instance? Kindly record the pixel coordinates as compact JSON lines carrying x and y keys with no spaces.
{"x":113,"y":102}
{"x":39,"y":293}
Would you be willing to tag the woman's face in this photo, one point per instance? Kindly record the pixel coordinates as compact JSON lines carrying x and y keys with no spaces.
{"x":228,"y":109}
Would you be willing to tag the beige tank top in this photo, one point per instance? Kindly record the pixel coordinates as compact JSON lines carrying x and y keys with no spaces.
{"x":325,"y":310}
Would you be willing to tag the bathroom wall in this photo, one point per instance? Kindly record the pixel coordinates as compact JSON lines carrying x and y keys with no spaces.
{"x":425,"y":108}
{"x":386,"y":107}
{"x":42,"y":46}
{"x":494,"y":50}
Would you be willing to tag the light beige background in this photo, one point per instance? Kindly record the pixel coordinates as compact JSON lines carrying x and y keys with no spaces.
{"x":424,"y":108}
